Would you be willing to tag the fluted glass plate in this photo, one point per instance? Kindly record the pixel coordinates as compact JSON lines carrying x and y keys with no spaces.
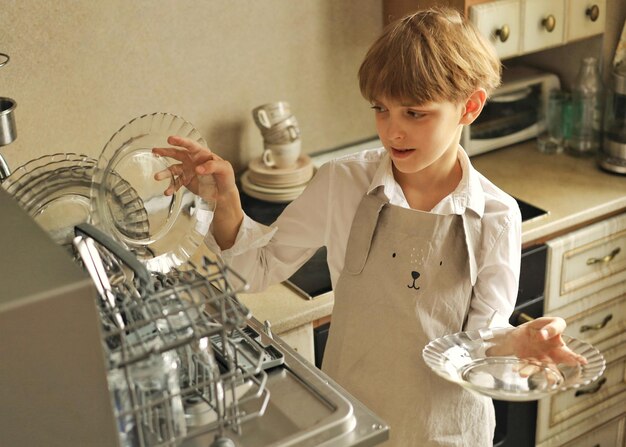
{"x":463,"y":358}
{"x":55,"y":191}
{"x":177,"y":224}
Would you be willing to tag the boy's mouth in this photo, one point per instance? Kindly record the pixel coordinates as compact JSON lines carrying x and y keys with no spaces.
{"x":401,"y":152}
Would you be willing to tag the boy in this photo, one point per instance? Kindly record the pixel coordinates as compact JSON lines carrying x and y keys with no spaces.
{"x":419,"y":244}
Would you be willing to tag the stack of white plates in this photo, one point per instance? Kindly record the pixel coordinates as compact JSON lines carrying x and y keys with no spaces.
{"x":274,"y":184}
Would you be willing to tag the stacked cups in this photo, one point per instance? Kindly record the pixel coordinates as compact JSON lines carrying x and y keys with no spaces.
{"x":281,"y":134}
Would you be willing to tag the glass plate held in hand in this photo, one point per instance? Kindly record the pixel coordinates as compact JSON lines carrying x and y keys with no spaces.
{"x":463,"y":358}
{"x":177,"y":223}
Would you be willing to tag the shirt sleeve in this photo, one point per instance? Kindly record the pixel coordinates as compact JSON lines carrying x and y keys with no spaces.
{"x":265,"y":255}
{"x":496,"y":288}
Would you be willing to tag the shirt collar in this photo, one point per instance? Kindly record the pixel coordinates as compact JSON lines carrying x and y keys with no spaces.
{"x":469,"y":192}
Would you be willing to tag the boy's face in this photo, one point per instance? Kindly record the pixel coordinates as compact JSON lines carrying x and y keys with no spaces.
{"x":419,"y":137}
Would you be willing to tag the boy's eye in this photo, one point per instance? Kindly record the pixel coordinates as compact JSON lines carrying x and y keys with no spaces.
{"x":414,"y":113}
{"x":377,"y":108}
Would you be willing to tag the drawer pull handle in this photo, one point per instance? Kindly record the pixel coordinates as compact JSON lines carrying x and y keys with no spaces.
{"x":503,"y":33}
{"x":593,"y":12}
{"x":593,"y":390}
{"x":605,"y":259}
{"x":597,"y":326}
{"x":549,"y":23}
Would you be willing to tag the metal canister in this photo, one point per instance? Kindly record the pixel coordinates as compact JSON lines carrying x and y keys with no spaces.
{"x":614,"y":142}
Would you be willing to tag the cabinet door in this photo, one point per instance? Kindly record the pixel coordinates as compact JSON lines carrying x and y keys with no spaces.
{"x":586,"y":262}
{"x":567,"y":415}
{"x":500,"y":23}
{"x":544,"y":24}
{"x":585,"y":18}
{"x":611,"y":434}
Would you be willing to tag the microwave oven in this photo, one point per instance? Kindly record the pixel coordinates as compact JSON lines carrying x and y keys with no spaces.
{"x":515,"y":112}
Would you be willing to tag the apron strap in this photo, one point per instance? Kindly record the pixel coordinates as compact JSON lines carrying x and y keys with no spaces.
{"x":471,"y":226}
{"x":362,"y":232}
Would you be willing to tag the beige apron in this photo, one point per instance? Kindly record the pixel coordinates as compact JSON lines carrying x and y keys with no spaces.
{"x":406,"y":280}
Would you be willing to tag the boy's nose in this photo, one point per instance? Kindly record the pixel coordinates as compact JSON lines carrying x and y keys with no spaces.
{"x":394,"y":130}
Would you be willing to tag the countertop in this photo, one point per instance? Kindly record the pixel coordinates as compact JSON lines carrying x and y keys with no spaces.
{"x":574,"y":191}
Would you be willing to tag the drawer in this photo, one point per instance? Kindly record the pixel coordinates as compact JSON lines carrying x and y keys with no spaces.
{"x":500,"y":22}
{"x":608,"y":435}
{"x":544,"y":24}
{"x":599,"y":324}
{"x":580,"y":23}
{"x":585,"y":262}
{"x":572,"y":413}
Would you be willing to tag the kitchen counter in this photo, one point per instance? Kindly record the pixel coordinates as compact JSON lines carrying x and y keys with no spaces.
{"x":574,"y":191}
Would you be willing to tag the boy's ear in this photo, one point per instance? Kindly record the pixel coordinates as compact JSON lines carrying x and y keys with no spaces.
{"x":473,"y":106}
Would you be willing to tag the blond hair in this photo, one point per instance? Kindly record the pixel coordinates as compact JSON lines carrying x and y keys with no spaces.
{"x":429,"y":56}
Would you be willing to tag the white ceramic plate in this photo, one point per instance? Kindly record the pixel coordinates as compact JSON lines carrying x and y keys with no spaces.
{"x":245,"y":181}
{"x":463,"y":358}
{"x":177,"y":224}
{"x":262,"y":175}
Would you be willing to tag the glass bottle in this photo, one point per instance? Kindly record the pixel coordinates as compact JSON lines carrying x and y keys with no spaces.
{"x":587,"y":98}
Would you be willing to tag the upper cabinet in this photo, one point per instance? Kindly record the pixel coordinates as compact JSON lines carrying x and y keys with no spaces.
{"x":517,"y":27}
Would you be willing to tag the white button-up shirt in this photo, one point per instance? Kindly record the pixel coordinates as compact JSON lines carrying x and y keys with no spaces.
{"x":323,"y":214}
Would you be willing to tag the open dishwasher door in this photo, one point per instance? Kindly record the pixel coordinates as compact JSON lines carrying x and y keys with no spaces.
{"x":63,"y":390}
{"x":305,"y":408}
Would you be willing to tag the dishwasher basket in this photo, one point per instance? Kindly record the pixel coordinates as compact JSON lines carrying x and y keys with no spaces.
{"x":181,"y":359}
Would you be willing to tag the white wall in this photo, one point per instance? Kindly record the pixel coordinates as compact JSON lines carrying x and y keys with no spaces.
{"x":79,"y":70}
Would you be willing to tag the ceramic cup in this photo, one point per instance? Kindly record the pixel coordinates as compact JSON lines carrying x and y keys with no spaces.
{"x":285,"y":131}
{"x":267,"y":115}
{"x":282,"y":156}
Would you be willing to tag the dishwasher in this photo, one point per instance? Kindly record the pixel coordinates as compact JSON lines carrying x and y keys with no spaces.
{"x":98,"y":352}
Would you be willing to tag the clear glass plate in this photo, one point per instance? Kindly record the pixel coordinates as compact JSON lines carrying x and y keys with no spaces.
{"x":177,"y":224}
{"x":40,"y":168}
{"x":55,"y":190}
{"x":463,"y":358}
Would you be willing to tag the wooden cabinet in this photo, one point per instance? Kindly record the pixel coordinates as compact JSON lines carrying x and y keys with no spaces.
{"x":517,"y":27}
{"x":301,"y":340}
{"x":585,"y":18}
{"x":586,"y":285}
{"x":543,"y":24}
{"x":501,"y":22}
{"x":610,"y":434}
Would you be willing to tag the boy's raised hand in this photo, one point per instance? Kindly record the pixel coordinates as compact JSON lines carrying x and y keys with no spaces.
{"x":195,"y":161}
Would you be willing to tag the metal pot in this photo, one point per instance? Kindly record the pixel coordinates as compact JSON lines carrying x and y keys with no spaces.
{"x":8,"y":132}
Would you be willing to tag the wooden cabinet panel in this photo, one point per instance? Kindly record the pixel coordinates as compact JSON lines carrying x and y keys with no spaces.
{"x":301,"y":340}
{"x":580,"y":18}
{"x":601,"y":323}
{"x":586,"y":261}
{"x":570,"y":414}
{"x":543,"y":24}
{"x":611,"y":434}
{"x":500,"y":22}
{"x":528,"y":21}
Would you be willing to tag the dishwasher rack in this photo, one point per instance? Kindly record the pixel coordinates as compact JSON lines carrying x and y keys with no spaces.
{"x":181,"y":360}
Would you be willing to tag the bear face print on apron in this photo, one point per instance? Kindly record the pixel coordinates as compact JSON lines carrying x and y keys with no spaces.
{"x":406,"y":281}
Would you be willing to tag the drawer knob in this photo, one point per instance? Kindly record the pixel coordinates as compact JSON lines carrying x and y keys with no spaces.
{"x":605,"y":259}
{"x":503,"y":33}
{"x":549,"y":23}
{"x":597,"y":326}
{"x":593,"y":12}
{"x":591,"y":390}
